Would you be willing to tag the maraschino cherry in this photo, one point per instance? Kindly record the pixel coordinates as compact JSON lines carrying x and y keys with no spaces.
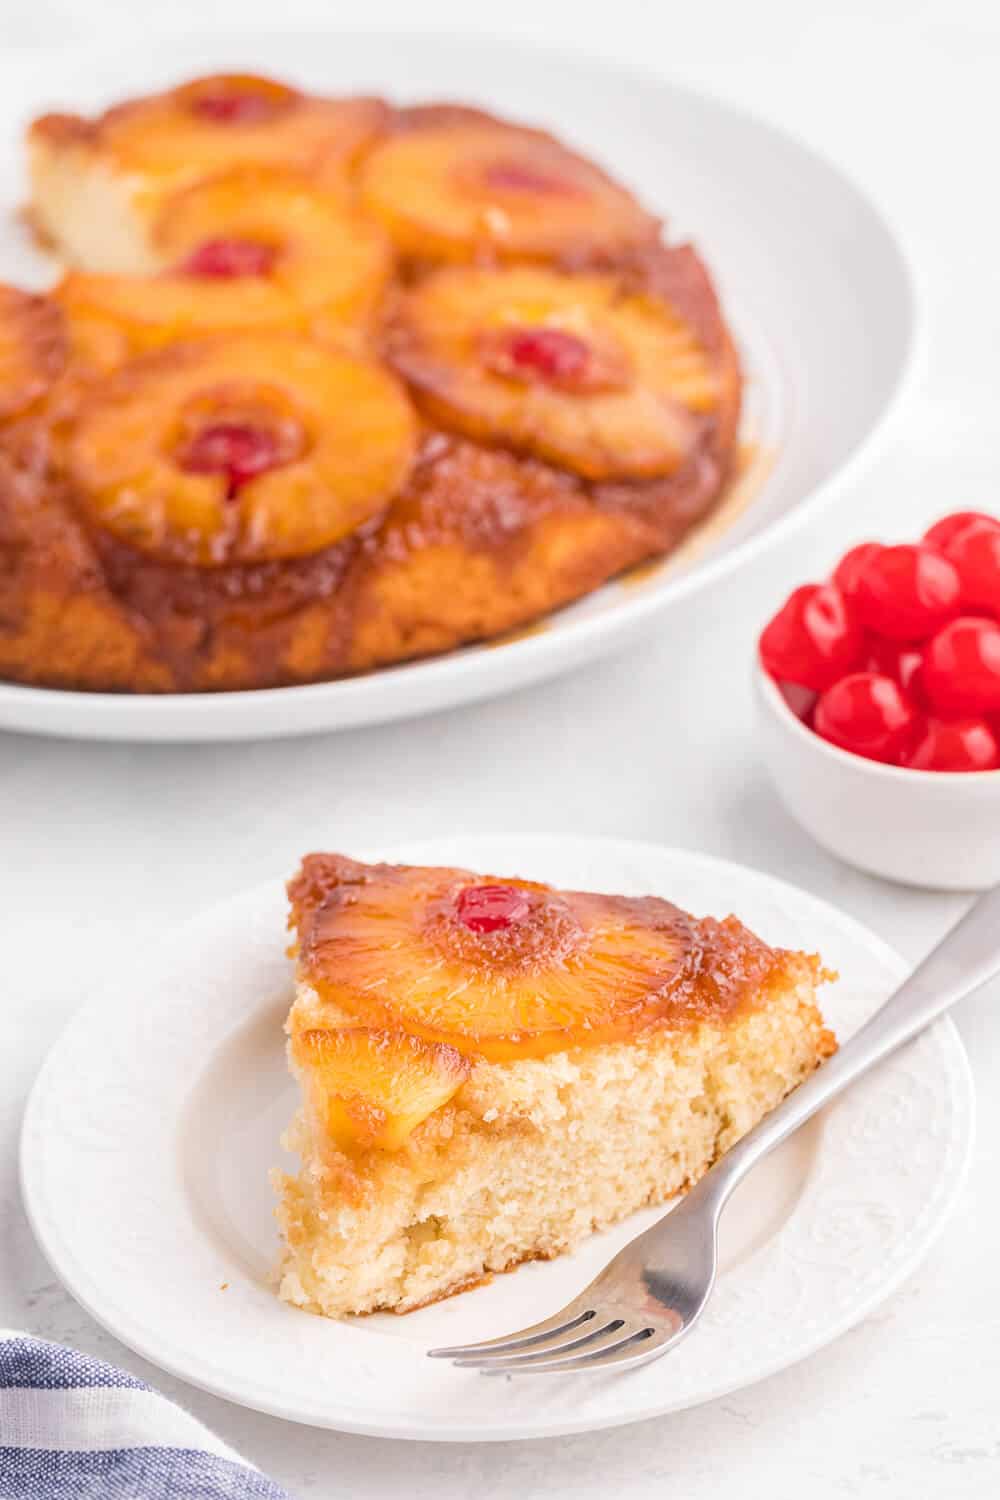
{"x":231,"y":257}
{"x":897,"y":657}
{"x":491,"y":908}
{"x":236,"y":449}
{"x":551,"y":353}
{"x":867,"y":714}
{"x":234,"y":106}
{"x":813,"y":639}
{"x":522,"y":177}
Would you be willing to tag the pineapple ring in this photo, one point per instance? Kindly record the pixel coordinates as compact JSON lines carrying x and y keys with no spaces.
{"x":339,"y":435}
{"x":331,"y":261}
{"x":621,"y":397}
{"x":575,"y":969}
{"x":457,"y":192}
{"x":310,"y":263}
{"x":32,"y":349}
{"x":227,"y":120}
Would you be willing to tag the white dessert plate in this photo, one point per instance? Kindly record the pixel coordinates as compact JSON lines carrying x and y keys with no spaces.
{"x":813,"y":280}
{"x":153,"y":1123}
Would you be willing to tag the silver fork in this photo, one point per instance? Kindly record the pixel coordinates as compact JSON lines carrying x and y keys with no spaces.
{"x":652,"y":1293}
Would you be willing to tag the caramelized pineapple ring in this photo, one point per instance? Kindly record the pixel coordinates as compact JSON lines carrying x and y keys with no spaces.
{"x":331,"y":261}
{"x":112,"y":317}
{"x":212,"y":124}
{"x":32,"y":349}
{"x":241,"y":450}
{"x":368,"y":1087}
{"x":252,"y":248}
{"x":499,"y":970}
{"x":571,"y":368}
{"x":457,"y":192}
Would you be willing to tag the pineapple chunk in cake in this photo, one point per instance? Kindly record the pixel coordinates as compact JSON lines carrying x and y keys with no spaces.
{"x":492,"y":1069}
{"x":371,"y":1088}
{"x":98,"y":185}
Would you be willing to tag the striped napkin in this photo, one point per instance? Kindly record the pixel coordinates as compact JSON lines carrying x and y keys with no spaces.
{"x":74,"y":1428}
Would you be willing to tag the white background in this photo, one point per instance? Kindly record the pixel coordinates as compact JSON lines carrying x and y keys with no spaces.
{"x":104,"y":846}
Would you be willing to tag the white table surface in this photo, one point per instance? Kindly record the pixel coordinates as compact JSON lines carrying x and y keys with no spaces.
{"x":104,"y":846}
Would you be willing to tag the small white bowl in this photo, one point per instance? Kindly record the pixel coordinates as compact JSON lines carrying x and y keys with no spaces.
{"x":938,"y":829}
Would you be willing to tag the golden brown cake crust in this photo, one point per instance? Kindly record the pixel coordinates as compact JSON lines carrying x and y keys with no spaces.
{"x":479,"y":539}
{"x":33,"y":349}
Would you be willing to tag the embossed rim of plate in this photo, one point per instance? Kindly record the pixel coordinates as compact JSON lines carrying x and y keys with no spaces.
{"x":892,"y":1160}
{"x":571,"y":636}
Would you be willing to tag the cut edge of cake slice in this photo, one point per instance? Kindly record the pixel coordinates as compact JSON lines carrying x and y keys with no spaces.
{"x":87,"y":209}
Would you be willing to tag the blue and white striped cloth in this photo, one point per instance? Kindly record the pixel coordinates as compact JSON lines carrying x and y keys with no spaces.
{"x":74,"y":1428}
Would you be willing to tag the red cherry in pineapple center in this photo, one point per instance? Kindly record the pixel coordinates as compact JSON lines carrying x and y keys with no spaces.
{"x":235,"y":449}
{"x":227,"y":258}
{"x":491,"y":908}
{"x":551,"y":353}
{"x":232,"y":106}
{"x":513,"y":176}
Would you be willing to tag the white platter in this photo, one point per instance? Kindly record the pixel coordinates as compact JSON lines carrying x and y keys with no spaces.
{"x":155,"y":1118}
{"x":814,"y":282}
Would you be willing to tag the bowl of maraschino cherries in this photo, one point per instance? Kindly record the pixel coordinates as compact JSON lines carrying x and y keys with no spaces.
{"x":879,"y":700}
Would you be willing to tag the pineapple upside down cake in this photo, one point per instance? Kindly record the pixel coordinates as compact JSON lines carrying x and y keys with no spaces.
{"x":492,"y":1069}
{"x":328,"y":384}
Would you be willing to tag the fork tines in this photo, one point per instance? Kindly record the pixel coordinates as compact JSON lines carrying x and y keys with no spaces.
{"x":571,"y":1340}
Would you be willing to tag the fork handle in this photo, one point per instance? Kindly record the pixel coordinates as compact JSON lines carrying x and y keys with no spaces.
{"x":966,"y":958}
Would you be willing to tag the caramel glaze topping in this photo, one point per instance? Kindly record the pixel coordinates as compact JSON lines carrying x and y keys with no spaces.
{"x":578,"y":970}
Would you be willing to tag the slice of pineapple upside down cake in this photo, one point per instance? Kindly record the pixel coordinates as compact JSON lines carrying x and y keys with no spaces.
{"x":491,"y":1069}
